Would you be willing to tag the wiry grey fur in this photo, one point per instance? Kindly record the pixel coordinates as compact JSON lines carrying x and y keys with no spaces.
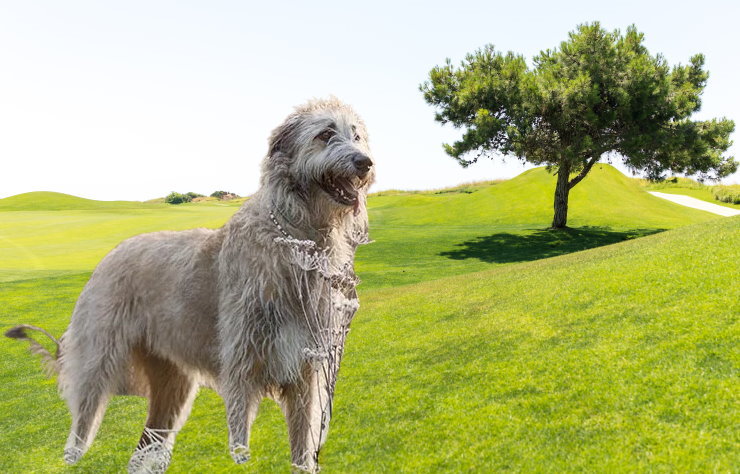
{"x":166,"y":312}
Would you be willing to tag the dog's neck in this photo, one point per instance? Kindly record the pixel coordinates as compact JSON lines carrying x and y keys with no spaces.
{"x":297,"y":226}
{"x":304,"y":214}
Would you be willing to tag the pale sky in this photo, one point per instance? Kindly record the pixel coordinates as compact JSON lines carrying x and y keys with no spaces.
{"x":131,"y":100}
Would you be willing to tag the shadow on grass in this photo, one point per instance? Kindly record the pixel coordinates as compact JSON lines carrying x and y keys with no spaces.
{"x":506,"y":247}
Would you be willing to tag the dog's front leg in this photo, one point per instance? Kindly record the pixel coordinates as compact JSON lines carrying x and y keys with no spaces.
{"x":242,"y":400}
{"x":307,"y":406}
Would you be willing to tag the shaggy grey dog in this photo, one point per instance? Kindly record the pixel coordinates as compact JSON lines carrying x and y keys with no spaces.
{"x":258,"y":308}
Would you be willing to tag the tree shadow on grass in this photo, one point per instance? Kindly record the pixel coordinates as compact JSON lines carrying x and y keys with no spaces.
{"x":506,"y":247}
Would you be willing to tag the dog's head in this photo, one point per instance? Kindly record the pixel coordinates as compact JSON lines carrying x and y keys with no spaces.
{"x":321,"y":151}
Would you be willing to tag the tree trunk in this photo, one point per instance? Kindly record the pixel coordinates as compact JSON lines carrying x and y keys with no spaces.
{"x":561,"y":197}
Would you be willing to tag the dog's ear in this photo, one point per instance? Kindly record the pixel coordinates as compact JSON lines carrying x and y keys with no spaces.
{"x":283,"y":137}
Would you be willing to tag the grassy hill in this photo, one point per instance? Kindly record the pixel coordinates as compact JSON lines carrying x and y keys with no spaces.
{"x":419,"y":235}
{"x":619,"y":358}
{"x":51,"y":201}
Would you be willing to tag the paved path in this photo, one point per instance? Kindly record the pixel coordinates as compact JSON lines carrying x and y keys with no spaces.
{"x":698,"y":204}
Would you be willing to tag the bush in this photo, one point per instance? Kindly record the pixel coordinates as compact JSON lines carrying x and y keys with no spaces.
{"x":177,"y":198}
{"x":727,"y":193}
{"x":223,"y":195}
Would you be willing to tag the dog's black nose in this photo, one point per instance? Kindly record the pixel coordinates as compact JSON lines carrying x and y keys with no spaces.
{"x":362,"y":162}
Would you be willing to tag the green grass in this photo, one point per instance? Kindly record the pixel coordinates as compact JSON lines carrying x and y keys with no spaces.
{"x":50,"y":201}
{"x":483,"y":344}
{"x":429,"y":235}
{"x":418,"y":235}
{"x":46,"y":234}
{"x":727,"y":193}
{"x":622,"y":358}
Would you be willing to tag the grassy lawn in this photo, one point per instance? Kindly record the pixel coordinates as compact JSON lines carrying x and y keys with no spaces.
{"x":43,"y":243}
{"x":483,"y":344}
{"x":419,"y":236}
{"x":622,"y":358}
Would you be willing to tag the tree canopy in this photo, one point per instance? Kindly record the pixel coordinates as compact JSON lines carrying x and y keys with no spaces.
{"x":598,"y":94}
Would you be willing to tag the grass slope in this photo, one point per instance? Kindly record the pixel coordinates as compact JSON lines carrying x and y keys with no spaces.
{"x":423,"y":234}
{"x":418,"y":235}
{"x":622,"y":358}
{"x":616,"y":359}
{"x":51,"y":201}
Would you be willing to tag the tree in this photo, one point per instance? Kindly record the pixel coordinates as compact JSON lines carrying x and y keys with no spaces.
{"x":599,"y":94}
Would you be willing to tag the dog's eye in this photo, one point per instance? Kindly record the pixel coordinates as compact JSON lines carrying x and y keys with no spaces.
{"x":326,"y":135}
{"x":357,"y":137}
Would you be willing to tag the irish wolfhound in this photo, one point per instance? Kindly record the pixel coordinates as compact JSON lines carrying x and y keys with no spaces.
{"x":258,"y":308}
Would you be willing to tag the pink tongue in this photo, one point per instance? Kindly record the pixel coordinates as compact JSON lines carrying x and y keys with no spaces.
{"x":357,"y":206}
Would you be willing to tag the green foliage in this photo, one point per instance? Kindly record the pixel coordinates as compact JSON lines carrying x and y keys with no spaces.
{"x":177,"y":198}
{"x":221,"y":194}
{"x":730,"y":194}
{"x":598,"y":93}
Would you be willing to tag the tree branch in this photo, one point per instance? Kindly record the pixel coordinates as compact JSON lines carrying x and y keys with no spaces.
{"x":584,"y":171}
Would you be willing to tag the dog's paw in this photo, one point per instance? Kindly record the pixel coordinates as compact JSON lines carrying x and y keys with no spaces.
{"x":303,"y":469}
{"x":152,"y":459}
{"x":240,"y":453}
{"x":72,"y":455}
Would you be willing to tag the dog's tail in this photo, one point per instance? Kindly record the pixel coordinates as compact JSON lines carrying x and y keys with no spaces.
{"x":50,"y":361}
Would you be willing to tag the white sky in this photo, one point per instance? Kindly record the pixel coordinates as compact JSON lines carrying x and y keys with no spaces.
{"x":131,"y":100}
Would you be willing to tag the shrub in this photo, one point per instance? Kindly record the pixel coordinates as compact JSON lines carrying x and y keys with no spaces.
{"x":177,"y":198}
{"x":224,"y":195}
{"x":727,"y":193}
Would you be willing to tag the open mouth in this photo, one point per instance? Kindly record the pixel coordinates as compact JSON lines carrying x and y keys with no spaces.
{"x":341,"y":190}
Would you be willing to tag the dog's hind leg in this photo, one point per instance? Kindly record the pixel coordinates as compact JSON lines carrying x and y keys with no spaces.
{"x":171,"y":395}
{"x":87,"y":401}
